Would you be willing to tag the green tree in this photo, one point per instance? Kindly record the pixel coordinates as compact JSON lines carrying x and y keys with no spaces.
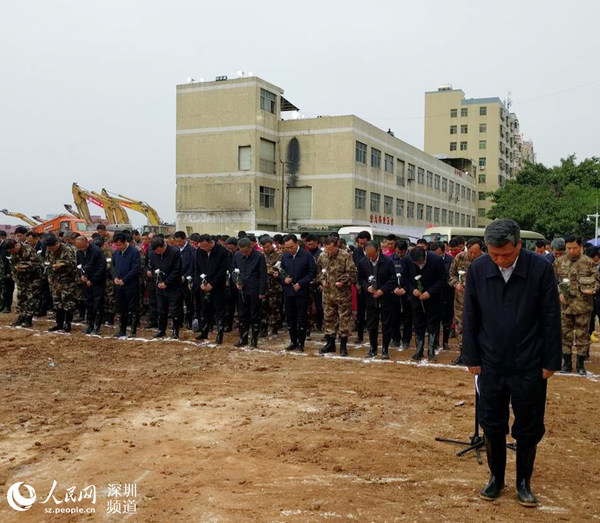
{"x":553,"y":201}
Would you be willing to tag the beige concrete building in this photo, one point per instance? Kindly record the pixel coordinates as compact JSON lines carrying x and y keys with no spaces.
{"x":482,"y":129}
{"x":240,"y":165}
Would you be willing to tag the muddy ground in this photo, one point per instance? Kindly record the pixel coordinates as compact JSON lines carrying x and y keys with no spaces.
{"x":212,"y":433}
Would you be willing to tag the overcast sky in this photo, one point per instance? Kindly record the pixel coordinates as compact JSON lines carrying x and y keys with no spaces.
{"x":88,"y":87}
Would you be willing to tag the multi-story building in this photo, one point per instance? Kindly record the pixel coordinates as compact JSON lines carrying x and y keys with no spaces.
{"x":482,"y":129}
{"x":240,"y":165}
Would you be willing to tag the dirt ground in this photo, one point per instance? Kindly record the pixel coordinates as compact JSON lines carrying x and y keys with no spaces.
{"x":212,"y":433}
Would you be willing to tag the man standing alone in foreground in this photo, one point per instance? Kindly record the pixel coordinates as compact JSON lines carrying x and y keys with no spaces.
{"x":512,"y":340}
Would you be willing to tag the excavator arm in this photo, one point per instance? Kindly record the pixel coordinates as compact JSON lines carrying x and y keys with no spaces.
{"x":138,"y":206}
{"x":21,"y":216}
{"x":81,"y":197}
{"x":72,"y":211}
{"x":120,"y":213}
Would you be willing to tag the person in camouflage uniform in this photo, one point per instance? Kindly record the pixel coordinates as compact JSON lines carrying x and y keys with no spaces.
{"x":457,"y":280}
{"x":109,"y":296}
{"x":272,"y":305}
{"x":26,"y":272}
{"x":336,"y":273}
{"x":578,"y":281}
{"x":61,"y":261}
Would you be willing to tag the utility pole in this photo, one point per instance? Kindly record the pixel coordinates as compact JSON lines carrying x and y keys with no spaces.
{"x":595,"y":216}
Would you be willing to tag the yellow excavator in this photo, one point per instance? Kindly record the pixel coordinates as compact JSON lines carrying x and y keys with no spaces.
{"x":114,"y":214}
{"x":21,"y":216}
{"x":72,"y":211}
{"x":135,"y":205}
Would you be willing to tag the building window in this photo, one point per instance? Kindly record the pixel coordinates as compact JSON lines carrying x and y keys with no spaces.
{"x":462,"y":220}
{"x":268,"y":101}
{"x":436,"y":214}
{"x":464,"y":111}
{"x":451,"y":188}
{"x":481,"y":212}
{"x":483,"y":111}
{"x":450,"y":218}
{"x":420,"y":175}
{"x":361,"y":152}
{"x":436,"y":182}
{"x":428,"y":213}
{"x":463,"y":191}
{"x":420,"y":209}
{"x":444,"y":184}
{"x":473,"y":196}
{"x":429,"y":179}
{"x":482,"y":178}
{"x":453,"y":146}
{"x":360,"y":199}
{"x":375,"y":158}
{"x":400,"y":173}
{"x":464,"y":129}
{"x":388,"y":205}
{"x":375,"y":201}
{"x":482,"y":161}
{"x":410,"y":209}
{"x":267,"y":197}
{"x":399,"y":207}
{"x":463,"y":146}
{"x":244,"y":158}
{"x":453,"y":129}
{"x":483,"y":128}
{"x":444,"y":216}
{"x":482,"y":145}
{"x":411,"y":173}
{"x":481,"y":195}
{"x":468,"y":221}
{"x":453,"y":113}
{"x":267,"y":156}
{"x":468,"y":194}
{"x":389,"y":163}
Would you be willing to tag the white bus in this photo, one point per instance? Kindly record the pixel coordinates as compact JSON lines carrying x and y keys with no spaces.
{"x":445,"y":234}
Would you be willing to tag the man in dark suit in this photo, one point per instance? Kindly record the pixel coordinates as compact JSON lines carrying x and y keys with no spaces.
{"x":210,"y":277}
{"x":447,"y":300}
{"x":188,"y":258}
{"x":401,"y":309}
{"x":126,"y":269}
{"x":423,"y":282}
{"x":91,"y":265}
{"x":297,"y":271}
{"x":250,"y":277}
{"x":512,"y":342}
{"x":377,"y":279}
{"x":361,"y":300}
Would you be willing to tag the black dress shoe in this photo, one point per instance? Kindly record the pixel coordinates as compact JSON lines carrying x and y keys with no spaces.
{"x":493,"y":489}
{"x":524,"y":495}
{"x":160,"y":334}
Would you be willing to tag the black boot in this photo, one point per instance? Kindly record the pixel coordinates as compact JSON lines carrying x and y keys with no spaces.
{"x":431,"y":347}
{"x":495,"y":448}
{"x":97,"y":325}
{"x":109,"y":318}
{"x":162,"y":326}
{"x":372,"y":344}
{"x":567,"y":365}
{"x":580,"y":368}
{"x":255,"y":334}
{"x":68,"y":320}
{"x":384,"y":347}
{"x":28,"y":321}
{"x":360,"y":330}
{"x":525,"y":460}
{"x":203,"y":333}
{"x":301,"y":339}
{"x":243,"y":336}
{"x":343,"y":346}
{"x":175,"y":330}
{"x":419,"y":347}
{"x":122,"y":332}
{"x":60,"y":321}
{"x":18,"y":322}
{"x":445,"y":338}
{"x":220,"y":332}
{"x":135,"y":320}
{"x":329,"y":346}
{"x":293,"y":330}
{"x":91,"y":318}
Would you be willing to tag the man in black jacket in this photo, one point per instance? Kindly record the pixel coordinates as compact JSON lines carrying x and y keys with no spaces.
{"x":297,"y":271}
{"x":188,"y":260}
{"x":447,"y":296}
{"x":250,"y":277}
{"x":210,"y":277}
{"x":423,"y":282}
{"x":512,"y":342}
{"x":401,"y":309}
{"x":358,"y":254}
{"x":126,"y":270}
{"x":166,"y":263}
{"x":91,"y":265}
{"x":377,"y":279}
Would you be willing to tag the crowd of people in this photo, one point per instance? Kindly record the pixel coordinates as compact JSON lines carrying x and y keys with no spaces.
{"x":306,"y":284}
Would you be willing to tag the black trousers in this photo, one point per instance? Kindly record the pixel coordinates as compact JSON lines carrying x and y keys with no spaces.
{"x":249,"y":306}
{"x":152,"y":305}
{"x":9,"y":291}
{"x":318,"y":299}
{"x":401,"y":319}
{"x":361,"y":308}
{"x":447,"y":312}
{"x":94,"y":300}
{"x":426,"y":317}
{"x":526,"y":392}
{"x":380,"y":309}
{"x":188,"y":301}
{"x":296,"y":310}
{"x":169,"y":302}
{"x":127,"y":299}
{"x":211,"y":306}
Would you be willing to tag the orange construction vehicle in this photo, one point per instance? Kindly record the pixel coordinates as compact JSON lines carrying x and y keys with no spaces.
{"x":63,"y":223}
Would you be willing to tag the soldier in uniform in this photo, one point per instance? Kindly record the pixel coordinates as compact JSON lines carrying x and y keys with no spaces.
{"x":577,"y":279}
{"x":457,"y":280}
{"x":272,"y":304}
{"x":62,"y":276}
{"x":336,"y":272}
{"x":26,"y":272}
